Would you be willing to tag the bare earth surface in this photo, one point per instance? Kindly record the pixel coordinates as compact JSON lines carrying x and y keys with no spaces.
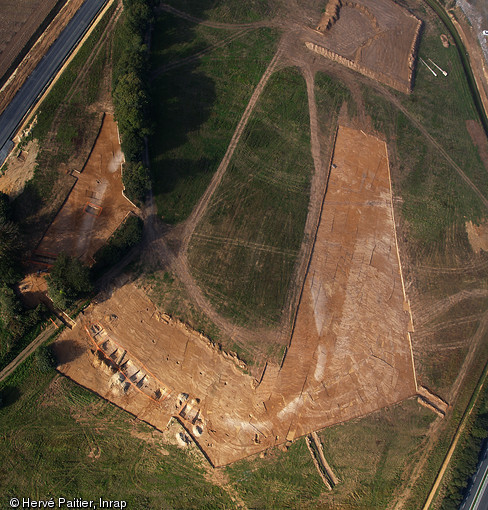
{"x":478,"y":236}
{"x":96,"y":206}
{"x":349,"y":354}
{"x":20,"y":170}
{"x":377,"y":38}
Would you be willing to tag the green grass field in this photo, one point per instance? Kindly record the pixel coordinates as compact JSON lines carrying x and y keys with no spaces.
{"x":435,"y":197}
{"x":371,"y":455}
{"x":330,"y":94}
{"x":244,"y":251}
{"x":225,"y":11}
{"x":58,"y":439}
{"x":280,"y":480}
{"x":196,"y":106}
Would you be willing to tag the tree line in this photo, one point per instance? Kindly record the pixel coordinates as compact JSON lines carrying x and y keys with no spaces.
{"x":15,"y":319}
{"x":130,"y":93}
{"x":468,"y":454}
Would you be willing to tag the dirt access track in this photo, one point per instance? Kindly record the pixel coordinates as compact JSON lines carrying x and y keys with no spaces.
{"x":349,"y":353}
{"x":95,"y":207}
{"x":377,"y":38}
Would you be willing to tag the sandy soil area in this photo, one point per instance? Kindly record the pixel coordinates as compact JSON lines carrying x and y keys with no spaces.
{"x":478,"y":236}
{"x":349,"y":354}
{"x":96,"y":206}
{"x":20,"y":169}
{"x":377,"y":38}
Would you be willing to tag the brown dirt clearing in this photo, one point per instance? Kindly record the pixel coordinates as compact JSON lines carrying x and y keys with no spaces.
{"x":478,"y":235}
{"x":96,"y":206}
{"x":20,"y":169}
{"x":340,"y":364}
{"x":377,"y":38}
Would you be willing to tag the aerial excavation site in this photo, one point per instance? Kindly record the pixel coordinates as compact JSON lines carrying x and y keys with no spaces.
{"x":244,"y":254}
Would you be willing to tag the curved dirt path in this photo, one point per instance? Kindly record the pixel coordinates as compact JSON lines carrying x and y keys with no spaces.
{"x":178,"y":262}
{"x":318,"y":186}
{"x":199,"y":210}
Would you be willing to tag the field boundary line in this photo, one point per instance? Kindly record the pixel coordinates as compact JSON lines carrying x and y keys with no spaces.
{"x":318,"y":188}
{"x":314,"y":240}
{"x":407,"y":301}
{"x":457,"y":435}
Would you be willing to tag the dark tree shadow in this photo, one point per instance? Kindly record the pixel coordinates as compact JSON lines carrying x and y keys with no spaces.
{"x":66,"y":351}
{"x":182,"y":100}
{"x":9,"y":395}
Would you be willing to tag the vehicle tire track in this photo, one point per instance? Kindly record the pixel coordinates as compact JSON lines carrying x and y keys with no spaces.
{"x":211,"y":24}
{"x":426,"y":314}
{"x":318,"y":186}
{"x":436,"y":144}
{"x":436,"y":427}
{"x":245,"y":244}
{"x":201,"y":207}
{"x":193,"y":58}
{"x":178,"y":262}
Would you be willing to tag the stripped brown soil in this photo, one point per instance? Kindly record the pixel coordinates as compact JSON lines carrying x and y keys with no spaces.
{"x":345,"y":365}
{"x":95,"y":207}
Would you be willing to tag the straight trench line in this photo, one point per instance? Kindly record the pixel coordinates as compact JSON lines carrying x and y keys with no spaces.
{"x":409,"y":336}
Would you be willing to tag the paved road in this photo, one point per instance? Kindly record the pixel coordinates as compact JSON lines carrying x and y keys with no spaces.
{"x":477,"y":13}
{"x":44,"y":73}
{"x":41,"y":338}
{"x":477,"y":498}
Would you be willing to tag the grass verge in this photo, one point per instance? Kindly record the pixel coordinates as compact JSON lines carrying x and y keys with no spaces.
{"x":279,"y":480}
{"x":58,"y":439}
